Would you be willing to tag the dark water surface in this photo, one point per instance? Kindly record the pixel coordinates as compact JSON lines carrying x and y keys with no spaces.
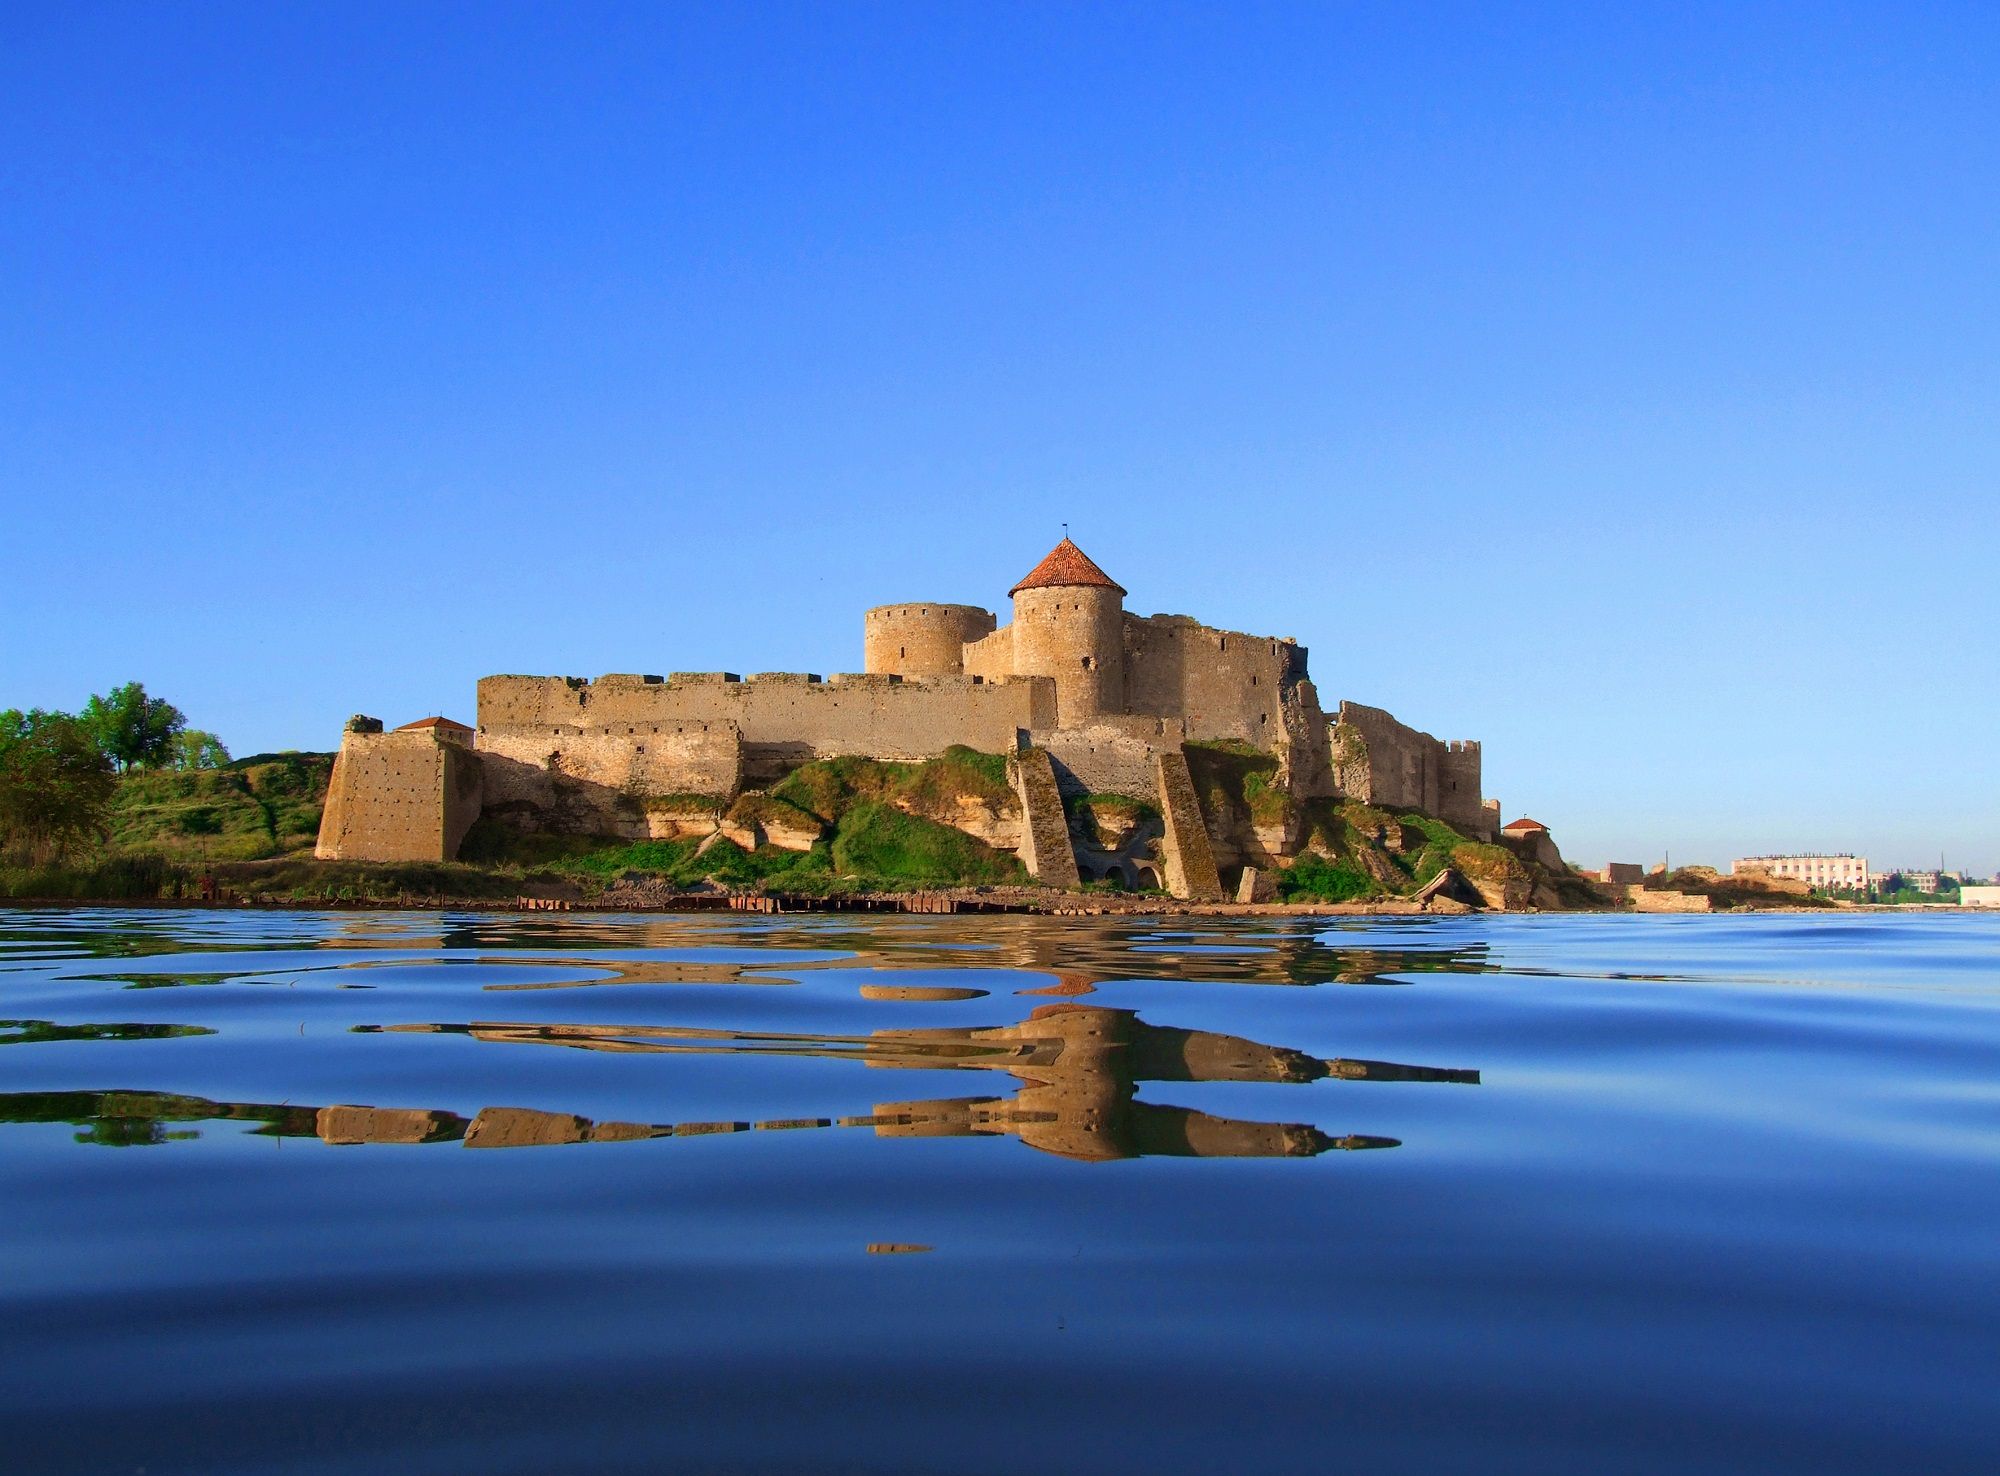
{"x":454,"y":1193}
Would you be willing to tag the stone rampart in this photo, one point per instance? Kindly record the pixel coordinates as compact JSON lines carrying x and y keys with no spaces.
{"x":1222,"y":683}
{"x":1114,"y":756}
{"x":784,"y":720}
{"x":991,"y":657}
{"x":1380,"y":761}
{"x":597,"y":781}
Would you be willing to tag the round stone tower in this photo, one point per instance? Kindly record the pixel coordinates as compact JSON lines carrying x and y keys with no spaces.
{"x":921,"y":640}
{"x":1069,"y":623}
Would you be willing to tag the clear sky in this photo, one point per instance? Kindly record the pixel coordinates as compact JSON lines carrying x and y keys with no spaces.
{"x":1619,"y":386}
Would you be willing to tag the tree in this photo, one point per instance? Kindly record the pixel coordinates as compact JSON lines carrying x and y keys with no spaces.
{"x":194,"y":749}
{"x":133,"y":730}
{"x":55,"y":783}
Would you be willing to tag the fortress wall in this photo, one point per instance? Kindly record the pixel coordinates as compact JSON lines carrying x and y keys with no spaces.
{"x":991,"y":657}
{"x":923,"y":639}
{"x":1112,"y":757}
{"x":528,"y":764}
{"x":1226,"y":683}
{"x":1398,"y":766}
{"x":464,"y":794}
{"x":401,"y":796}
{"x":783,"y":718}
{"x":1395,"y":765}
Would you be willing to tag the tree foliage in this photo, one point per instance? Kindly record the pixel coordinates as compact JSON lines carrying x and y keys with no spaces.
{"x":55,"y":783}
{"x":195,"y":749}
{"x":133,"y":730}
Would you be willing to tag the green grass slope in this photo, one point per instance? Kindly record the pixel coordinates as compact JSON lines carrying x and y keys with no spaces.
{"x":268,"y":805}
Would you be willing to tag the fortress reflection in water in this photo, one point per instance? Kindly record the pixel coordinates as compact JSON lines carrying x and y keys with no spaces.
{"x":1072,"y":1070}
{"x":1076,"y":1070}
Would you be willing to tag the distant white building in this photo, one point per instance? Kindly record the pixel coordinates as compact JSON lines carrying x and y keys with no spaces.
{"x":1827,"y":873}
{"x":1979,"y":896}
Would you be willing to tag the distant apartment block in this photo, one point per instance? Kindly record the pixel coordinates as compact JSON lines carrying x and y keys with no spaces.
{"x":1920,"y":881}
{"x":1832,"y":873}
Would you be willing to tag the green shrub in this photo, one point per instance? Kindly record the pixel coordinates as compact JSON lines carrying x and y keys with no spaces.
{"x":1315,"y":879}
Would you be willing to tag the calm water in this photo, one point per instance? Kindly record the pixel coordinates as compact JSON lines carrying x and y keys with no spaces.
{"x":439,"y":1192}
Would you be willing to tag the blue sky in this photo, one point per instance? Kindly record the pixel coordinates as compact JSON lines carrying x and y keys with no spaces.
{"x":1619,"y":386}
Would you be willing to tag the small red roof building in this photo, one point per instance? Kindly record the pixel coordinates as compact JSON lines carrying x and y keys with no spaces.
{"x":1066,"y":565}
{"x":435,"y":722}
{"x":1523,"y":826}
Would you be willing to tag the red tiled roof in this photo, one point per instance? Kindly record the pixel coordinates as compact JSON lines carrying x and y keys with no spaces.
{"x":1524,"y":823}
{"x":434,"y":722}
{"x":1065,"y":565}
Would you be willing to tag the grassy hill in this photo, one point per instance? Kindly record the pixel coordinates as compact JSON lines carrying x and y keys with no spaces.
{"x":883,"y":827}
{"x":266,"y":805}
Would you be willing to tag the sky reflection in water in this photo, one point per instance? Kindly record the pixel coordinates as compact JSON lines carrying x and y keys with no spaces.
{"x":1653,"y":1194}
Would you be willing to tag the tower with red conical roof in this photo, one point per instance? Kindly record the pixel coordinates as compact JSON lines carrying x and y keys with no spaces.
{"x":1069,"y":624}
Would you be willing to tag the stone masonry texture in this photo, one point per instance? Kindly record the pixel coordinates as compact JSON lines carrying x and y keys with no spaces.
{"x":1190,"y":863}
{"x":1045,"y":844}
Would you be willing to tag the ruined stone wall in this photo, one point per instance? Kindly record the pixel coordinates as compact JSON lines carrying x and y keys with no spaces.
{"x":1226,"y":684}
{"x":923,"y":639}
{"x":785,"y":719}
{"x":1076,"y":636}
{"x":1383,"y":762}
{"x":401,"y":796}
{"x":1304,"y":745}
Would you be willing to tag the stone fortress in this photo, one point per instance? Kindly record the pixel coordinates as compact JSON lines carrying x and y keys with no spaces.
{"x":1083,"y":696}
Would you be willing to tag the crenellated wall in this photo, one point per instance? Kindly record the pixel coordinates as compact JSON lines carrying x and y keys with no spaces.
{"x":991,"y":657}
{"x":784,"y":719}
{"x":1222,"y":683}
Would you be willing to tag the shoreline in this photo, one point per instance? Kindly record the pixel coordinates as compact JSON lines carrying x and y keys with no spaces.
{"x":926,"y":905}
